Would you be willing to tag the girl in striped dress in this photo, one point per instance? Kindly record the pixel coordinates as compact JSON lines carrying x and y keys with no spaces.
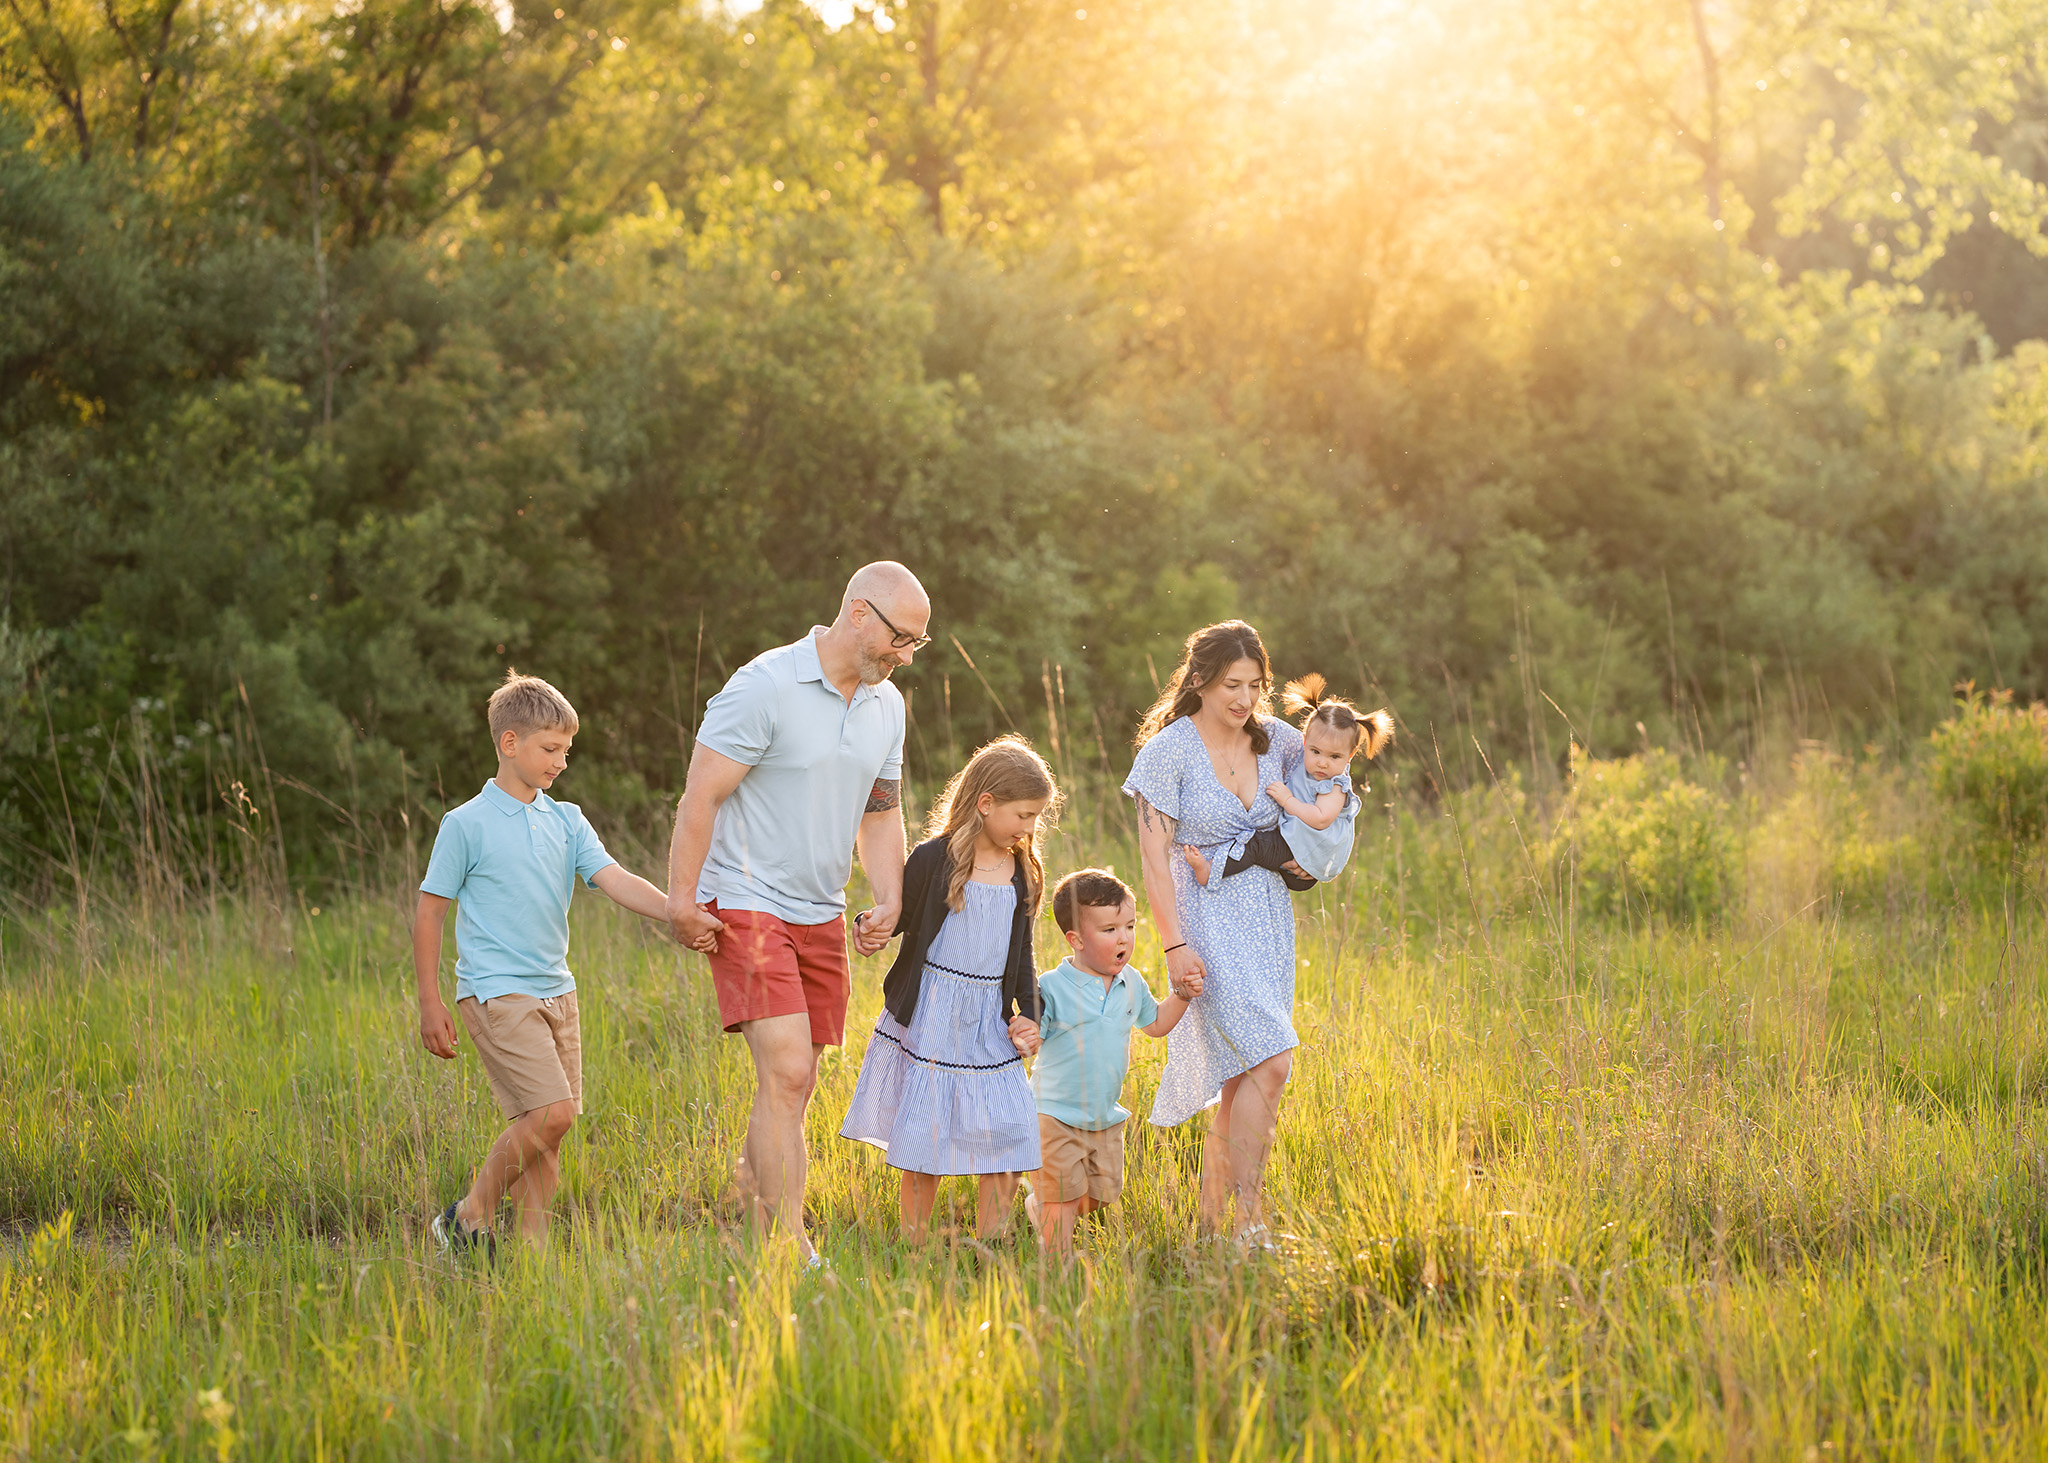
{"x":942,"y":1088}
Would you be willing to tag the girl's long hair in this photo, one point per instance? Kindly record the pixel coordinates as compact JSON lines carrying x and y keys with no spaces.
{"x":1370,"y":731}
{"x":1210,"y":652}
{"x":1008,"y":771}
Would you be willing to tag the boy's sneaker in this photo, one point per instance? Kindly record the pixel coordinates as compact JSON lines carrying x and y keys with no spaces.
{"x":455,"y":1240}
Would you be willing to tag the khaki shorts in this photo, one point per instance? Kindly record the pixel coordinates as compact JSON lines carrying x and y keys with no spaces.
{"x":1077,"y":1163}
{"x":532,"y":1049}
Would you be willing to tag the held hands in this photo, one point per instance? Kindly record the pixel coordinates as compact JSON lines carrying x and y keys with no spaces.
{"x":1184,"y":972}
{"x":437,"y":1030}
{"x":1024,"y":1035}
{"x":1188,"y":987}
{"x":872,"y":929}
{"x":695,"y":926}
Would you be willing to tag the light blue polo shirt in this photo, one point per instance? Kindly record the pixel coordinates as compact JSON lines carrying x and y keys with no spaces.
{"x":783,"y":842}
{"x":511,"y":868}
{"x":1086,"y":1028}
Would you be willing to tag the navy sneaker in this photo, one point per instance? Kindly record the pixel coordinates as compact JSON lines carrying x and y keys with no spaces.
{"x":455,"y":1240}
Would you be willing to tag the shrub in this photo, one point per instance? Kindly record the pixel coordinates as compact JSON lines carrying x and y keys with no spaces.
{"x":1991,"y":764}
{"x":1839,"y":832}
{"x":1641,"y":836}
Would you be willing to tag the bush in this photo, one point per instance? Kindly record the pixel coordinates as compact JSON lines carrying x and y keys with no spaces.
{"x":1639,"y":835}
{"x":1991,"y":764}
{"x":1840,"y":832}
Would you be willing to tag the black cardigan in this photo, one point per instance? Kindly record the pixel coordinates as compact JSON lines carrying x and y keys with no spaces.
{"x":926,"y":874}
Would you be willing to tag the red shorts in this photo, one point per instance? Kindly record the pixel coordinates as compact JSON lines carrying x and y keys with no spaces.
{"x":766,"y":966}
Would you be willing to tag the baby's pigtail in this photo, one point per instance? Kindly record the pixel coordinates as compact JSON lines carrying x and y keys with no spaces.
{"x":1305,"y":694}
{"x":1376,"y":732}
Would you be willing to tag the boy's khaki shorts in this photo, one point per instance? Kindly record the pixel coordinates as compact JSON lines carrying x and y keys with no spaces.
{"x":532,"y":1049}
{"x":1076,"y":1163}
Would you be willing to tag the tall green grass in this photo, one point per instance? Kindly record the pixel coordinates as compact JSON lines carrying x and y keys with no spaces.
{"x":1558,"y":1176}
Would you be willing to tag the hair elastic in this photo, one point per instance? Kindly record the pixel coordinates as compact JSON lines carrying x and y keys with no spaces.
{"x":1171,"y":948}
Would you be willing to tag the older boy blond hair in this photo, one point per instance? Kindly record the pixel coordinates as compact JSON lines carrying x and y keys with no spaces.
{"x":508,"y":860}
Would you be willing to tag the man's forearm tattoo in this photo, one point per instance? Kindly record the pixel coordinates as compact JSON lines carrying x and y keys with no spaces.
{"x":1148,"y":814}
{"x":887,"y":794}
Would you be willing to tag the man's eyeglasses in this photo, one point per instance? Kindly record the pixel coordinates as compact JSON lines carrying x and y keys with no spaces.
{"x":903,"y":640}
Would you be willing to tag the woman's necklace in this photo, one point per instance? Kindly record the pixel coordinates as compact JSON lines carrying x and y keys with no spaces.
{"x":1229,"y":756}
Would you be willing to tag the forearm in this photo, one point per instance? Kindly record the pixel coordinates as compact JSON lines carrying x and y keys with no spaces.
{"x":881,"y":843}
{"x":426,"y":952}
{"x":1170,"y":1011}
{"x":631,"y":892}
{"x":689,"y":846}
{"x":1155,"y":849}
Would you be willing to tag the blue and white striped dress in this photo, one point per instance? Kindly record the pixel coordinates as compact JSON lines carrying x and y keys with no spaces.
{"x":948,"y":1094}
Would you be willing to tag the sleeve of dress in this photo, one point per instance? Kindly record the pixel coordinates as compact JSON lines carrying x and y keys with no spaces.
{"x":1156,"y":775}
{"x":1287,"y":741}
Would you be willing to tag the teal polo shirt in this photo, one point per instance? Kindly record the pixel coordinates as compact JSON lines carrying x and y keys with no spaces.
{"x":782,"y":844}
{"x":511,"y":868}
{"x":1086,"y":1028}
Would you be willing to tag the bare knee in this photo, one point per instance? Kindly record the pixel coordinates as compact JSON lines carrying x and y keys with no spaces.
{"x":551,"y":1124}
{"x":786,"y":1082}
{"x":1271,"y":1075}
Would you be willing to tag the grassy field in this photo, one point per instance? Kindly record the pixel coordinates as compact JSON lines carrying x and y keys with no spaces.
{"x":1558,"y":1176}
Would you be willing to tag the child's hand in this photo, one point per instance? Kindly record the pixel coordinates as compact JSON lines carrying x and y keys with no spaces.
{"x":1024,"y":1035}
{"x":437,"y":1030}
{"x":1188,"y":986}
{"x":1278,"y":792}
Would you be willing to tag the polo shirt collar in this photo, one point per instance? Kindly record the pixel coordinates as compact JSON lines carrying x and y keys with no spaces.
{"x":1077,"y":974}
{"x":505,"y":803}
{"x":810,"y":668}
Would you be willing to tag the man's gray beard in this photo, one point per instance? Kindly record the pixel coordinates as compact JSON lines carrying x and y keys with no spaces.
{"x":873,"y":669}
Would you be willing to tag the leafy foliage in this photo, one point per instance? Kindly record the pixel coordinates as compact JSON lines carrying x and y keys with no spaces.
{"x":1541,"y":371}
{"x":1991,"y":761}
{"x":1639,"y":836}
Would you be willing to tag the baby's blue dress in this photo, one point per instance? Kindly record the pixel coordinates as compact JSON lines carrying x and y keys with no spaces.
{"x":1321,"y":852}
{"x":1243,"y":928}
{"x":948,"y":1093}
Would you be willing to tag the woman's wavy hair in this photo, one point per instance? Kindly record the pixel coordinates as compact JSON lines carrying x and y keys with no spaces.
{"x":1370,"y":731}
{"x":1008,"y":771}
{"x":1210,"y":652}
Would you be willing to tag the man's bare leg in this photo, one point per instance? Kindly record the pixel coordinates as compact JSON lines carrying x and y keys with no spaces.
{"x":530,"y":1147}
{"x":773,"y":1159}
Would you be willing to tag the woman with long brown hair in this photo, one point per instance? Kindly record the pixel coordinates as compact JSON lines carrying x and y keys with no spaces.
{"x":1207,"y":751}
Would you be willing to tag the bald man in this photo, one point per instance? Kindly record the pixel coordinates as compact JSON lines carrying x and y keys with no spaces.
{"x":799,"y":762}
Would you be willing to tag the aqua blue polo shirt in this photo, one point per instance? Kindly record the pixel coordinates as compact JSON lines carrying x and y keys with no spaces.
{"x":1086,"y":1027}
{"x":511,"y":868}
{"x":782,"y":844}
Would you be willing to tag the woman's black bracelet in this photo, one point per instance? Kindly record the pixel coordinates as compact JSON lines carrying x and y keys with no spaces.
{"x":1171,"y":948}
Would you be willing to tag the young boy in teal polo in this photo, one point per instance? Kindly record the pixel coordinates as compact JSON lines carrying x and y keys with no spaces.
{"x":1088,"y":1006}
{"x":509,"y":859}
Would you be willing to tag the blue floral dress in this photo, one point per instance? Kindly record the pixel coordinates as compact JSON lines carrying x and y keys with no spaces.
{"x":1242,"y":927}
